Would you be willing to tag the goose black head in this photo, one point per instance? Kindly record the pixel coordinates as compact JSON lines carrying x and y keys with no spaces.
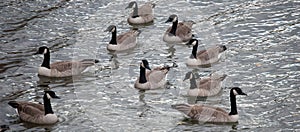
{"x":192,"y":42}
{"x":145,"y":64}
{"x":111,"y":28}
{"x":237,"y":91}
{"x":42,"y":50}
{"x":153,"y":5}
{"x":4,"y":128}
{"x":131,"y":4}
{"x":188,"y":75}
{"x":51,"y":94}
{"x":223,"y":48}
{"x":172,"y":18}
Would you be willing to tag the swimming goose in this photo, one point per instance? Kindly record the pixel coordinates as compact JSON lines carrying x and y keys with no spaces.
{"x":123,"y":41}
{"x":204,"y":57}
{"x":36,"y":113}
{"x":205,"y":113}
{"x":62,"y":68}
{"x":204,"y":87}
{"x":179,"y":32}
{"x":152,"y":79}
{"x":142,"y":15}
{"x":3,"y":128}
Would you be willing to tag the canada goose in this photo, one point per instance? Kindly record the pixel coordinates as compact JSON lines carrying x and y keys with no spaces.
{"x":123,"y":41}
{"x":152,"y":79}
{"x":62,"y":68}
{"x":36,"y":113}
{"x":205,"y":113}
{"x":179,"y":32}
{"x":204,"y":57}
{"x":203,"y":87}
{"x":3,"y":128}
{"x":142,"y":15}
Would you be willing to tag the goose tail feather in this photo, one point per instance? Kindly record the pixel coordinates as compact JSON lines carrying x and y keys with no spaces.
{"x":168,"y":67}
{"x":184,"y":108}
{"x":13,"y":104}
{"x":136,"y":31}
{"x":90,"y":60}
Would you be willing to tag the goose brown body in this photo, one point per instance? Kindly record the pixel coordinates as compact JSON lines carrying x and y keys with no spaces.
{"x":203,"y":87}
{"x":206,"y":113}
{"x":62,"y":68}
{"x":179,"y":31}
{"x":36,"y":113}
{"x":204,"y":57}
{"x":151,"y":79}
{"x":144,"y":13}
{"x":123,"y":41}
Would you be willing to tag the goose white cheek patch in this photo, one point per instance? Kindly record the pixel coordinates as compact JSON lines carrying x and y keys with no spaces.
{"x":234,"y":92}
{"x":175,"y":19}
{"x":45,"y":51}
{"x":191,"y":76}
{"x":48,"y":96}
{"x":142,"y":64}
{"x":194,"y":43}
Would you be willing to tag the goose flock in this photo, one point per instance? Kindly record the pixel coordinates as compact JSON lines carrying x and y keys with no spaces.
{"x":149,"y":78}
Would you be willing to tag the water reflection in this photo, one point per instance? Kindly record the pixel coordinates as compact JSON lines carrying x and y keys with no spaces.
{"x":44,"y":81}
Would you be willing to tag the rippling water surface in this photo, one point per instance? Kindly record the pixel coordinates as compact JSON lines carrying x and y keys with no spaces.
{"x":263,"y":59}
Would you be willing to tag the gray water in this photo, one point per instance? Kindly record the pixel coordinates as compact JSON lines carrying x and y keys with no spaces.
{"x":263,"y":59}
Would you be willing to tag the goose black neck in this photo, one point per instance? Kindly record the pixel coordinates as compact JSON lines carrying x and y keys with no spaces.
{"x":135,"y":11}
{"x":47,"y":105}
{"x":233,"y":104}
{"x":46,"y":61}
{"x":114,"y":37}
{"x":174,"y":28}
{"x":142,"y":75}
{"x":193,"y":84}
{"x":194,"y":51}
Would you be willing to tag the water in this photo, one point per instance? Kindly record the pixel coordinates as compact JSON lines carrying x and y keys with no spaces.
{"x":263,"y":58}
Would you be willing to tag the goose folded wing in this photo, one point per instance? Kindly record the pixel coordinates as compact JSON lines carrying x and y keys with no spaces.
{"x":205,"y":113}
{"x":145,"y":9}
{"x":204,"y":83}
{"x":126,"y":38}
{"x":183,"y":31}
{"x":62,"y":66}
{"x":31,"y":109}
{"x":203,"y":55}
{"x":156,"y":75}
